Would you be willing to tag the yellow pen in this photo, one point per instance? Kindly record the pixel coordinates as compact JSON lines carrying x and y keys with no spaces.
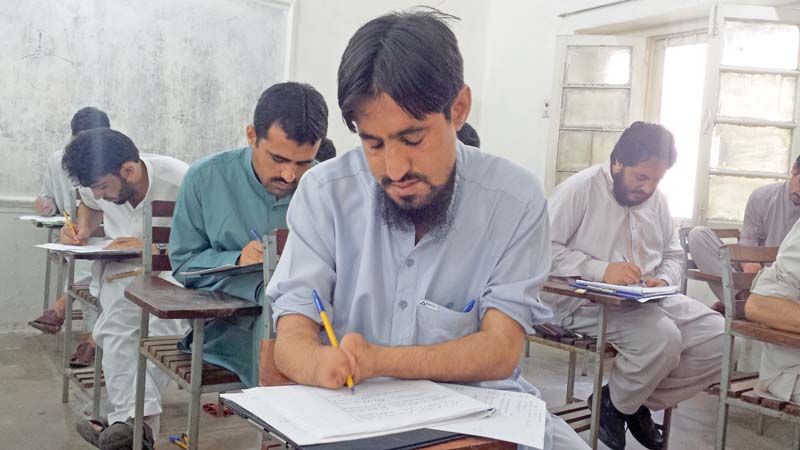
{"x":329,"y":329}
{"x":69,"y":223}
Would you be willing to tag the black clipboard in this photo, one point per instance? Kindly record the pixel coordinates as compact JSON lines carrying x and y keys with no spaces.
{"x":407,"y":440}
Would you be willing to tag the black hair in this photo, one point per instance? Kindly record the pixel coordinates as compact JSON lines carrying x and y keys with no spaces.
{"x":412,"y":57}
{"x":299,"y":110}
{"x":643,"y":141}
{"x":96,"y":153}
{"x":88,"y":118}
{"x":326,"y":150}
{"x":469,"y":136}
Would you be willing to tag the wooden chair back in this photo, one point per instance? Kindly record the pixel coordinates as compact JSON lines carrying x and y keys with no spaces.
{"x":734,"y":282}
{"x":155,"y":234}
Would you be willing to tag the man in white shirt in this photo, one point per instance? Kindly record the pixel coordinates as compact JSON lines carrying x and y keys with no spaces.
{"x":58,"y":196}
{"x":775,"y":301}
{"x":609,"y":223}
{"x":116,"y":185}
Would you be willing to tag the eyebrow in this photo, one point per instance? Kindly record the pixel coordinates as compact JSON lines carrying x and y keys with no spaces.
{"x":399,"y":134}
{"x":287,"y":159}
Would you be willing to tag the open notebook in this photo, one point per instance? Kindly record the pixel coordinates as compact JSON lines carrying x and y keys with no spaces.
{"x":95,"y":246}
{"x":635,"y":292}
{"x":225,"y":270}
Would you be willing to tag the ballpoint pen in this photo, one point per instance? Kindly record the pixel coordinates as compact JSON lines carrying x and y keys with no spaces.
{"x":469,"y":306}
{"x":256,"y":236}
{"x":641,"y":282}
{"x":329,"y":329}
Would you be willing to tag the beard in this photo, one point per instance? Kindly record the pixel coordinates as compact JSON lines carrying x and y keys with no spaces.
{"x":126,"y":192}
{"x":621,"y":192}
{"x":433,"y":213}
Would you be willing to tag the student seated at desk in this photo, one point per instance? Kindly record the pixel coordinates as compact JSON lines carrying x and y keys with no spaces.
{"x":117,"y":182}
{"x":229,"y":200}
{"x":428,"y":254}
{"x":56,"y":197}
{"x":771,"y":212}
{"x":775,"y":302}
{"x":610,"y":223}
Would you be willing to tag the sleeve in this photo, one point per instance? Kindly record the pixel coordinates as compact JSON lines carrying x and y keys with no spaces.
{"x":753,"y":231}
{"x":782,"y":279}
{"x":522,"y":269}
{"x":308,"y":259}
{"x":671,"y":267}
{"x":189,"y":246}
{"x":566,"y":216}
{"x":48,"y":188}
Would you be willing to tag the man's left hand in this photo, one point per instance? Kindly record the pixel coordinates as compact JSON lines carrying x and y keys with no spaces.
{"x":654,"y":282}
{"x":125,"y":243}
{"x":363,"y":352}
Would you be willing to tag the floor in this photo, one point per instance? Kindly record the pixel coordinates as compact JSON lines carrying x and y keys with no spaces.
{"x":33,"y":416}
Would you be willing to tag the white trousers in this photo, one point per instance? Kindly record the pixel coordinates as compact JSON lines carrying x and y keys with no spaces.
{"x":117,"y":333}
{"x":668,"y":349}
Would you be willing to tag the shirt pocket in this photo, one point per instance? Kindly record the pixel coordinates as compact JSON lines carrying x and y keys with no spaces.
{"x":437,"y":324}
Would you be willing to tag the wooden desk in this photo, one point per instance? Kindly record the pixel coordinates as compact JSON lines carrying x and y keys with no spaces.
{"x":560,"y":287}
{"x":167,"y":301}
{"x":474,"y":443}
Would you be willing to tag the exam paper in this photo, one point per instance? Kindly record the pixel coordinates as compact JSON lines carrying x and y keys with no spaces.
{"x":45,"y":220}
{"x":309,"y":415}
{"x":518,"y":417}
{"x":226,"y":269}
{"x":94,"y":246}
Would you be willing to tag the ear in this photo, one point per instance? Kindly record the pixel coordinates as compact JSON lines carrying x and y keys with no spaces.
{"x":616,"y":167}
{"x":128,"y":170}
{"x":461,"y":106}
{"x":251,"y":136}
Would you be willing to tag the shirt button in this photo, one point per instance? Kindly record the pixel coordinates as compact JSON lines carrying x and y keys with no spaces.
{"x":449,"y":305}
{"x":403,"y":304}
{"x":409,"y":262}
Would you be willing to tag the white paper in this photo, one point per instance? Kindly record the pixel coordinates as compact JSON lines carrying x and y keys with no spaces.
{"x":309,"y":415}
{"x":167,"y":276}
{"x":45,"y":220}
{"x":518,"y":417}
{"x":226,"y":269}
{"x":636,"y":290}
{"x":94,"y":246}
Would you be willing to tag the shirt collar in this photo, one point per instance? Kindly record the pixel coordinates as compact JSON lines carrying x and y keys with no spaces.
{"x":151,"y":179}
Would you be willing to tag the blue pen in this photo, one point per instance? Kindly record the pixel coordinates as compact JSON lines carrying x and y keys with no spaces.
{"x":256,"y":235}
{"x":469,"y":306}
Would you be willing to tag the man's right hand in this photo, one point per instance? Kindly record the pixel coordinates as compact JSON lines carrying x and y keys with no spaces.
{"x":750,"y":267}
{"x":622,"y":273}
{"x":332,"y":366}
{"x":67,"y":237}
{"x":252,"y":253}
{"x":44,"y":206}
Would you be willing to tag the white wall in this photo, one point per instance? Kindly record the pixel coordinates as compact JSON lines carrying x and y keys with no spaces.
{"x":323,"y":28}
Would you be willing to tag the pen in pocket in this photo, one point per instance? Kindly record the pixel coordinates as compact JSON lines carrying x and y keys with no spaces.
{"x":469,"y":306}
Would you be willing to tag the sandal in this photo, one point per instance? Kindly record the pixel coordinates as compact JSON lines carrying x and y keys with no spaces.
{"x":49,"y":322}
{"x":90,"y":433}
{"x":83,"y":356}
{"x":119,"y":436}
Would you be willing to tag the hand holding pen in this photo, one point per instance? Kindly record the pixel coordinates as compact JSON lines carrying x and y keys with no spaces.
{"x":329,"y":330}
{"x":623,"y":273}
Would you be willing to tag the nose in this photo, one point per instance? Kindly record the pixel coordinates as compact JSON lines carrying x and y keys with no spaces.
{"x":289,"y":173}
{"x":397,"y":163}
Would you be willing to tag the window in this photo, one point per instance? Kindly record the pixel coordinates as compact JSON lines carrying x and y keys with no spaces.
{"x":598,"y":93}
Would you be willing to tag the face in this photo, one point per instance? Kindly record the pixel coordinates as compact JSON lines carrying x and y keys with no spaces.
{"x":635,"y":184}
{"x":279,"y":161}
{"x":118,"y":189}
{"x":794,"y":185}
{"x":410,"y":159}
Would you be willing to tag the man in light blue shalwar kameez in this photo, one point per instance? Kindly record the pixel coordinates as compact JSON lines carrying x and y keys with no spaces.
{"x":400,"y":236}
{"x":231,"y":197}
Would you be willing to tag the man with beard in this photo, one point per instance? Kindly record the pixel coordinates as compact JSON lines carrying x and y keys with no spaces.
{"x":609,"y":223}
{"x":428,"y":254}
{"x":117,"y":182}
{"x":230,"y":196}
{"x":771,"y":212}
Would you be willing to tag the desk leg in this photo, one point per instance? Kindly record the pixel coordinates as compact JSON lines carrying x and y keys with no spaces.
{"x":97,"y":388}
{"x":598,"y":377}
{"x":67,"y":333}
{"x":47,"y":269}
{"x":141,"y":374}
{"x":196,"y":381}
